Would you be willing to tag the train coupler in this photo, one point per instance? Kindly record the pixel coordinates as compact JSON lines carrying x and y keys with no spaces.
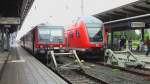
{"x":57,"y":56}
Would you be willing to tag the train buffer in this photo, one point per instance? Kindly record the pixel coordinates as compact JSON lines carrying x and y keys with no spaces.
{"x":123,"y":58}
{"x":54,"y":60}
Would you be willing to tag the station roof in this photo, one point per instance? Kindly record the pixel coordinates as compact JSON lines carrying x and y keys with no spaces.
{"x":129,"y":10}
{"x":121,"y":16}
{"x":16,"y":9}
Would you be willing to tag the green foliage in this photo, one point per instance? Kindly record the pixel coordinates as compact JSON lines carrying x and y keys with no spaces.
{"x":128,"y":34}
{"x":146,"y":35}
{"x":133,"y":35}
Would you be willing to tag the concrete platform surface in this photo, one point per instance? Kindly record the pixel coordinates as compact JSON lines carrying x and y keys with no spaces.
{"x":28,"y":70}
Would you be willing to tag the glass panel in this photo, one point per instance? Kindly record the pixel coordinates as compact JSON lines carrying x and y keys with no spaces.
{"x":44,"y":34}
{"x":94,"y":31}
{"x":56,"y":35}
{"x":77,"y":33}
{"x":48,"y":34}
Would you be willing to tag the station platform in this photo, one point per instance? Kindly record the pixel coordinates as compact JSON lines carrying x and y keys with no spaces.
{"x":25,"y":69}
{"x":139,"y":55}
{"x":143,"y":57}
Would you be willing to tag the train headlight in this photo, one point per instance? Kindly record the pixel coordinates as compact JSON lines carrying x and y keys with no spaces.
{"x":37,"y":46}
{"x":60,"y":46}
{"x":97,"y":45}
{"x":41,"y":46}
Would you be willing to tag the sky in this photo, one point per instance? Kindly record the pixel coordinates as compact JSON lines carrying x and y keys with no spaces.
{"x":63,"y":12}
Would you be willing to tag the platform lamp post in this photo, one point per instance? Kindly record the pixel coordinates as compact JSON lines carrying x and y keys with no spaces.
{"x":2,"y":37}
{"x":82,"y":7}
{"x":7,"y":36}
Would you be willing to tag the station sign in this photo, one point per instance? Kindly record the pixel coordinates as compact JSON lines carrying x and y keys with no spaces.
{"x":9,"y":20}
{"x":138,"y":24}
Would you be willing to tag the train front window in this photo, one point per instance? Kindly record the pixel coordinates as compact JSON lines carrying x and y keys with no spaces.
{"x":51,"y":34}
{"x":56,"y":35}
{"x":44,"y":34}
{"x":94,"y":32}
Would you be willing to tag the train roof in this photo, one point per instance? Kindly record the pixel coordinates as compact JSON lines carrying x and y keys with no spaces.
{"x":52,"y":26}
{"x":91,"y":19}
{"x":49,"y":26}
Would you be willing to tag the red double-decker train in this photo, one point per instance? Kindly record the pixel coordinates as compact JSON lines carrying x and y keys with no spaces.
{"x":88,"y":32}
{"x":87,"y":36}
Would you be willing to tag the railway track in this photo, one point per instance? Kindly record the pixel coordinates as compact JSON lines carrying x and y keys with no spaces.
{"x":101,"y":74}
{"x":76,"y":76}
{"x":79,"y":77}
{"x":134,"y":70}
{"x":104,"y":75}
{"x":115,"y":76}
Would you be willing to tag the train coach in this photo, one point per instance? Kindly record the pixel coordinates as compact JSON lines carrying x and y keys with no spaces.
{"x":87,"y":35}
{"x":43,"y":37}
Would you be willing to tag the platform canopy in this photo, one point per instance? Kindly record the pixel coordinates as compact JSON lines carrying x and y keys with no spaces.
{"x":123,"y":17}
{"x":13,"y":12}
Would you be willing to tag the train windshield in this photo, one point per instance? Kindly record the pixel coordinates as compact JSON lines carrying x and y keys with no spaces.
{"x":94,"y":32}
{"x":56,"y":35}
{"x":93,"y":26}
{"x":51,"y":34}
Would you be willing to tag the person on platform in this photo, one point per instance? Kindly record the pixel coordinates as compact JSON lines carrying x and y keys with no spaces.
{"x":141,"y":46}
{"x":122,"y":43}
{"x":130,"y":44}
{"x":147,"y":43}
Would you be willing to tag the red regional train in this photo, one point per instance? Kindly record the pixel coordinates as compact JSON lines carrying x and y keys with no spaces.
{"x":43,"y":37}
{"x":87,"y":34}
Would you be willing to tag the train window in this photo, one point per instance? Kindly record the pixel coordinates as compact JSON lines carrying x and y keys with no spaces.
{"x":93,"y":27}
{"x":56,"y":35}
{"x":71,"y":34}
{"x":44,"y":34}
{"x":77,"y":33}
{"x":94,"y":31}
{"x":51,"y":34}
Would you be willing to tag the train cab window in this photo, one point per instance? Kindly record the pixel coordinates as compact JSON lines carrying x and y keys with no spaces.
{"x":77,"y":33}
{"x":53,"y":34}
{"x":93,"y":26}
{"x":94,"y":32}
{"x":57,"y":35}
{"x":71,"y":34}
{"x":44,"y":34}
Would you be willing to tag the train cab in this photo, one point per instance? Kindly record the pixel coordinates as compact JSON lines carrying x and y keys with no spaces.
{"x":87,"y":36}
{"x":88,"y":32}
{"x":44,"y":37}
